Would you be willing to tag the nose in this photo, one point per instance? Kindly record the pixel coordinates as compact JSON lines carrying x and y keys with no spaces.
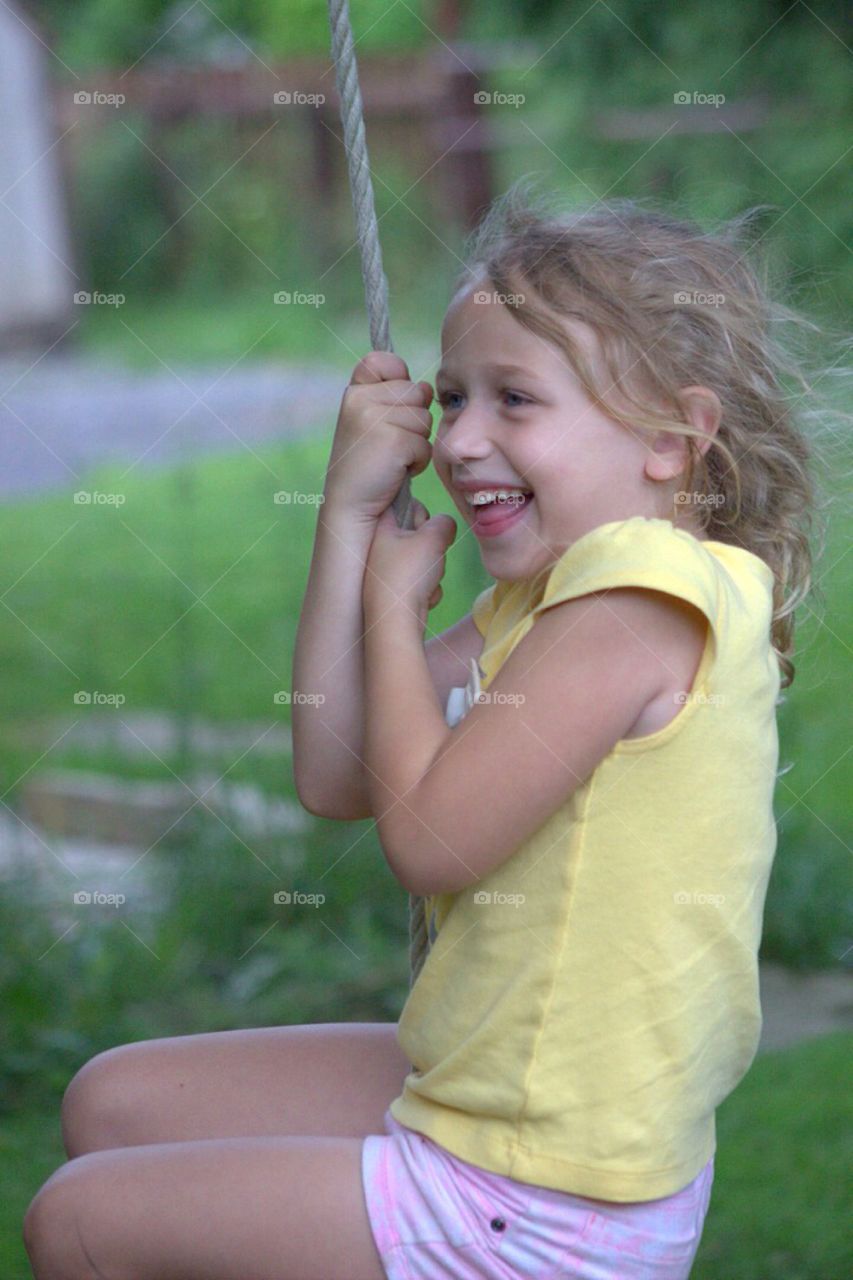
{"x":468,"y":435}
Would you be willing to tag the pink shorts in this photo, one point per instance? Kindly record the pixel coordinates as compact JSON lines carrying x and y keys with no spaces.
{"x":435,"y":1216}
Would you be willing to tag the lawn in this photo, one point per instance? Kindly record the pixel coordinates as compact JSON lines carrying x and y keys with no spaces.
{"x":186,"y":599}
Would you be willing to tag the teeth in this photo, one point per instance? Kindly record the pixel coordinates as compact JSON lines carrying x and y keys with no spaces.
{"x":481,"y":496}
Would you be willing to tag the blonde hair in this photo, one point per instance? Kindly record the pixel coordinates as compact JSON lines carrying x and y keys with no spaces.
{"x":673,"y":306}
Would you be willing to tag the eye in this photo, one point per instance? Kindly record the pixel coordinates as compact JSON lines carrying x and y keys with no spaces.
{"x":519,"y":399}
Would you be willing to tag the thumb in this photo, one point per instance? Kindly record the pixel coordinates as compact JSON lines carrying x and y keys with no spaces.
{"x":444,"y":523}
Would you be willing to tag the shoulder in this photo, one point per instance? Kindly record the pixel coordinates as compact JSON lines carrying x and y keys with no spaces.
{"x":645,"y":641}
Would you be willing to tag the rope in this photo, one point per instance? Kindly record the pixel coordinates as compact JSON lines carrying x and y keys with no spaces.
{"x":376,"y":294}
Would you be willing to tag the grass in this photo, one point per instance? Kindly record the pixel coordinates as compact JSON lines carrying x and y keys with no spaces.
{"x":186,"y":329}
{"x":186,"y":599}
{"x":778,"y":1206}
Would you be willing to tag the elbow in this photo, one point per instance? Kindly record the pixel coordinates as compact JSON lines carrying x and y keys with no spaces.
{"x":327,"y":796}
{"x":401,"y":854}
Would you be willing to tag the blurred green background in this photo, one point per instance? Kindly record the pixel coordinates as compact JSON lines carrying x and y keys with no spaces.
{"x":115,"y":600}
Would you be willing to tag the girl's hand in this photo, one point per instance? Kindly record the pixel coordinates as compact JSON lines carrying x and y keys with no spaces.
{"x":404,"y":567}
{"x":382,"y":434}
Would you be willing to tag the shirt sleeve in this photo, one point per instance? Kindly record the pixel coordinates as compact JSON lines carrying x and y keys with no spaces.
{"x":638,"y":552}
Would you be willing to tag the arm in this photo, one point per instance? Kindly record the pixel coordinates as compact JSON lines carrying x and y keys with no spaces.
{"x":328,"y":737}
{"x":382,"y":434}
{"x":456,"y":803}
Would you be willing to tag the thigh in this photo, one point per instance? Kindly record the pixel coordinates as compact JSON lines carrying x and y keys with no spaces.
{"x":224,"y":1209}
{"x":330,"y":1078}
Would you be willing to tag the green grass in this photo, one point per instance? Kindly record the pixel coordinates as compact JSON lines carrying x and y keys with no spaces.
{"x":186,"y":599}
{"x":778,"y":1207}
{"x":185,"y":328}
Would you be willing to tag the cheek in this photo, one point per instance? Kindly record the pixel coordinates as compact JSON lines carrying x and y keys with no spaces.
{"x":440,"y":460}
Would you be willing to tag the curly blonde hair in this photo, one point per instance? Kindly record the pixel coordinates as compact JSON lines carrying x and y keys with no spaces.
{"x":673,"y":306}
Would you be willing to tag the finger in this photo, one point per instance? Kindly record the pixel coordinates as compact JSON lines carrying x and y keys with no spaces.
{"x":421,"y":513}
{"x":379,"y":366}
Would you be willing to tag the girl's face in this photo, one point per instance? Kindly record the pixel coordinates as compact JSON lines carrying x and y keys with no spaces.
{"x":515,"y":414}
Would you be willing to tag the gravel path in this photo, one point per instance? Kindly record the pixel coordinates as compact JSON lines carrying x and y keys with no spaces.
{"x":63,"y":415}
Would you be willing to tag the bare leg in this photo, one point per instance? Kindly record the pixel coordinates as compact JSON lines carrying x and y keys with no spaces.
{"x":334,"y":1079}
{"x":221,"y":1209}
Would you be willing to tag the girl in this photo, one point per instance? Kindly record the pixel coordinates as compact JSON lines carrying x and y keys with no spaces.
{"x":590,"y":817}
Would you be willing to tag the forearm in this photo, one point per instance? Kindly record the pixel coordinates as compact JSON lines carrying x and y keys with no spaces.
{"x":328,"y":730}
{"x":405,"y":732}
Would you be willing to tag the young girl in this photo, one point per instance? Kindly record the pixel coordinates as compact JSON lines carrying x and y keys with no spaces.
{"x":578,"y":776}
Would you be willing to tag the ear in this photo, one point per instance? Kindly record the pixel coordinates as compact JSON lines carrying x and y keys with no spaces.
{"x":668,"y":455}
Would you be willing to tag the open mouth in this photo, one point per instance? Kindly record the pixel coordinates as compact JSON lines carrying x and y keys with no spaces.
{"x":495,"y":512}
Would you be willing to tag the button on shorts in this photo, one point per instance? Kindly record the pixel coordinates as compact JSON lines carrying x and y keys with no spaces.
{"x":436,"y":1217}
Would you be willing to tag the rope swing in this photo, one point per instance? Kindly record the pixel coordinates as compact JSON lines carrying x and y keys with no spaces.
{"x":376,"y":294}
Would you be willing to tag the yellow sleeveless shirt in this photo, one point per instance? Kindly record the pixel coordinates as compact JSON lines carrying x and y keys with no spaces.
{"x":584,"y":1042}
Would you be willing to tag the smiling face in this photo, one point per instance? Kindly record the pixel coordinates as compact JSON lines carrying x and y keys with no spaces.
{"x":515,"y":414}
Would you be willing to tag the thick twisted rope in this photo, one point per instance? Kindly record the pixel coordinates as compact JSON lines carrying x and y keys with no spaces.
{"x":376,"y":293}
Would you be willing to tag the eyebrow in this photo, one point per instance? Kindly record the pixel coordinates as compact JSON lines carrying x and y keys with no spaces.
{"x":444,"y":374}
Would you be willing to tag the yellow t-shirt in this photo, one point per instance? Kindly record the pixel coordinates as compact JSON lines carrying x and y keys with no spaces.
{"x":582,"y":1040}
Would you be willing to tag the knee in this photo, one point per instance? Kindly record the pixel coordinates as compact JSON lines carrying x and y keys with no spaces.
{"x":97,"y":1102}
{"x":51,"y":1230}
